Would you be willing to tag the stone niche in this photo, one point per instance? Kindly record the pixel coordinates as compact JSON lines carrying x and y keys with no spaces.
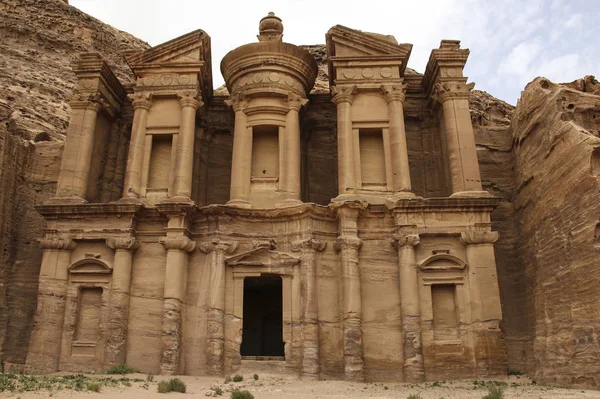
{"x":214,"y":256}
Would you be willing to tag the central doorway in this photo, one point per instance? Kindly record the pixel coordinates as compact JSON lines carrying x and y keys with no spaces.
{"x":263,"y":317}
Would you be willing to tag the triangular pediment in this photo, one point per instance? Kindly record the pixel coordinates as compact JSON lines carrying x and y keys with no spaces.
{"x":346,"y":42}
{"x":262,"y":257}
{"x":189,"y":48}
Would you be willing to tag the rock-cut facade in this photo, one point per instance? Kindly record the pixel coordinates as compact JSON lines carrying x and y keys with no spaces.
{"x":335,"y":229}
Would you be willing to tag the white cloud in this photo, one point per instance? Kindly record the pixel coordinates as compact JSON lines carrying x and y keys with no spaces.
{"x":510,"y":41}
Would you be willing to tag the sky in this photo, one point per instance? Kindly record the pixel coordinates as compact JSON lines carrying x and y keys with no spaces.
{"x":511,"y":41}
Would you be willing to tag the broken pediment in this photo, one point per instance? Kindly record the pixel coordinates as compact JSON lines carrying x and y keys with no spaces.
{"x":346,"y":42}
{"x":190,"y":53}
{"x":262,"y":257}
{"x":356,"y":56}
{"x":189,"y":48}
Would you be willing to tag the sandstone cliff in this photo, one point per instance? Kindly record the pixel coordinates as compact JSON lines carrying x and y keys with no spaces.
{"x":556,"y":130}
{"x":38,"y":41}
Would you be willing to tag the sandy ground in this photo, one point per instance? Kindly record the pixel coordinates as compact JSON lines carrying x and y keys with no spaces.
{"x":283,"y":387}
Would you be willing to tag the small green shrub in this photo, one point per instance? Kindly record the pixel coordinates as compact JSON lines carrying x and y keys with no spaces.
{"x":227,"y":380}
{"x":217,"y":390}
{"x":164,"y":387}
{"x":150,"y":378}
{"x":122,"y":369}
{"x":173,"y":385}
{"x":495,"y":392}
{"x":177,"y":385}
{"x":94,"y":386}
{"x":238,"y":378}
{"x":414,"y":396}
{"x":515,"y":372}
{"x":241,"y":395}
{"x":255,"y":377}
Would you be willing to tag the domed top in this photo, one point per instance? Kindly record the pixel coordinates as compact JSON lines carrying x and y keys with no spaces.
{"x":270,"y":28}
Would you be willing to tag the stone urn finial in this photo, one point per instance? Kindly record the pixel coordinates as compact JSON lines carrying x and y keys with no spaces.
{"x":270,"y":29}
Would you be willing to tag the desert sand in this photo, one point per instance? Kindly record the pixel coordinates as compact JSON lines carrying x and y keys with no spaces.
{"x":272,"y":386}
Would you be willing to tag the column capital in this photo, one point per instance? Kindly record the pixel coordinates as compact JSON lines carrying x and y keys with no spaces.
{"x":190,"y":99}
{"x":93,"y":101}
{"x":394,"y":92}
{"x":347,"y":243}
{"x":478,"y":237}
{"x":122,"y":243}
{"x":452,"y":91}
{"x":141,"y":100}
{"x":237,"y":101}
{"x":343,"y":94}
{"x":296,"y":102}
{"x":400,"y":240}
{"x":311,"y":243}
{"x":57,"y":243}
{"x":181,"y":243}
{"x":217,"y":245}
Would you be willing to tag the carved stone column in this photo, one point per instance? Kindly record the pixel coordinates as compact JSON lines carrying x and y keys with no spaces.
{"x":177,"y":260}
{"x":142,"y":102}
{"x":348,"y":245}
{"x":486,"y":311}
{"x":184,"y":160}
{"x":460,"y":139}
{"x":241,"y":162}
{"x":46,"y":337}
{"x":215,"y":337}
{"x":290,"y":179}
{"x":410,"y":307}
{"x":309,"y":309}
{"x":116,"y":344}
{"x":75,"y":167}
{"x":394,"y":95}
{"x":342,"y":97}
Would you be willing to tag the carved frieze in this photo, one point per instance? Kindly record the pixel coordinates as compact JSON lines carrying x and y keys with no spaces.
{"x":181,"y":243}
{"x":401,"y":240}
{"x":190,"y":99}
{"x":57,"y":243}
{"x":452,"y":91}
{"x":348,"y":243}
{"x":478,"y":237}
{"x":368,"y":73}
{"x":311,"y":244}
{"x":343,"y":93}
{"x":217,"y":245}
{"x":141,"y":100}
{"x":122,"y":243}
{"x":394,"y":92}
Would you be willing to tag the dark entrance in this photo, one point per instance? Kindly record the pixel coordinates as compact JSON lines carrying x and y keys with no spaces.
{"x":263,"y":317}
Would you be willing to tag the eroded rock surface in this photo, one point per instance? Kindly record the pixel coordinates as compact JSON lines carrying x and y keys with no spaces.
{"x":38,"y":41}
{"x":556,"y":129}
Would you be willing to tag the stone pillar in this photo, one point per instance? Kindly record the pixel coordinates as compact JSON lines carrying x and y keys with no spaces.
{"x":184,"y":160}
{"x":348,"y":244}
{"x":241,"y":162}
{"x":290,"y":181}
{"x":177,"y":260}
{"x":75,"y":167}
{"x":342,"y":97}
{"x":486,"y":311}
{"x":309,"y":318}
{"x":394,"y":95}
{"x":410,"y":307}
{"x":135,"y":159}
{"x":215,"y":331}
{"x":460,"y":139}
{"x":116,"y":344}
{"x":46,"y":337}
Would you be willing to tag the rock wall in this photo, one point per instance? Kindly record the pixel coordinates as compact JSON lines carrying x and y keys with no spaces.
{"x":38,"y":41}
{"x":556,"y":130}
